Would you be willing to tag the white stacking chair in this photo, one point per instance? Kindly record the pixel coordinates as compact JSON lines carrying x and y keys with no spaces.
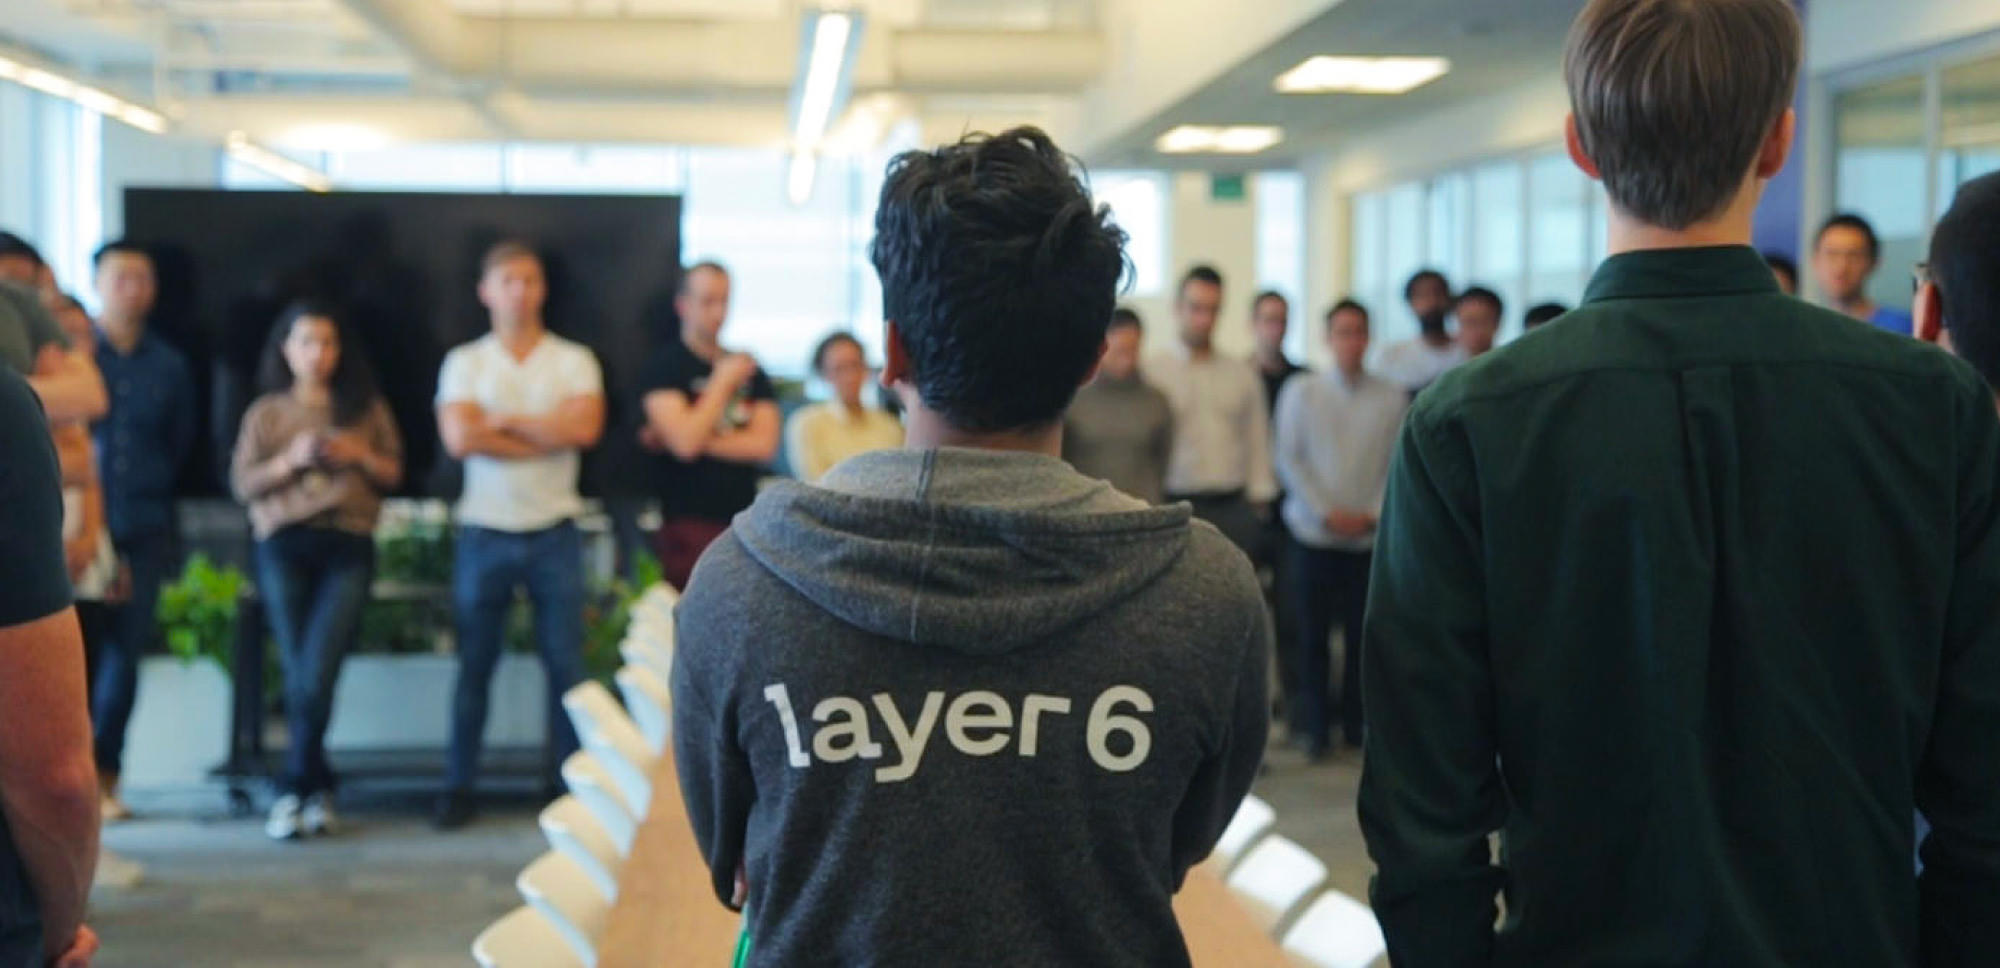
{"x":571,"y":830}
{"x":1253,"y":822}
{"x":649,"y":703}
{"x":523,"y":938}
{"x":593,"y":786}
{"x":557,"y":886}
{"x":1336,"y":931}
{"x":604,"y":729}
{"x":1274,"y":880}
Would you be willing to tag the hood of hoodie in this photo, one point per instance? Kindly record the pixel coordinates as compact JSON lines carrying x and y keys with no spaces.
{"x":979,"y":552}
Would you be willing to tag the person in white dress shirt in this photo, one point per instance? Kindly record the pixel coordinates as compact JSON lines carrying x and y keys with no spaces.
{"x":1221,"y":461}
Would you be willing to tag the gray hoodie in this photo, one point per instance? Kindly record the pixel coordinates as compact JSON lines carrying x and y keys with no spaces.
{"x":965,"y":708}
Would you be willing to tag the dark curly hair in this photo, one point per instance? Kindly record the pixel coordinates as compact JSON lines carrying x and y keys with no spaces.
{"x":1000,"y":275}
{"x":352,"y":384}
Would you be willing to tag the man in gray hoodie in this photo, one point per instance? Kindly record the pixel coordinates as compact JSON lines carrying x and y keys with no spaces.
{"x":959,"y":704}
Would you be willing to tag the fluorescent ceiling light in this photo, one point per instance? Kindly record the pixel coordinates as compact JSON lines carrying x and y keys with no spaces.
{"x":276,"y":165}
{"x":1242,"y":139}
{"x":1361,"y":75}
{"x":800,"y":176}
{"x":90,"y":98}
{"x":829,"y":56}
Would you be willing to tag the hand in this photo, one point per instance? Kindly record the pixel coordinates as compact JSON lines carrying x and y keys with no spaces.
{"x":1350,"y":524}
{"x":651,"y":440}
{"x":302,"y":453}
{"x":342,"y":449}
{"x":741,"y":894}
{"x":81,"y":950}
{"x":121,"y":584}
{"x":735,"y":369}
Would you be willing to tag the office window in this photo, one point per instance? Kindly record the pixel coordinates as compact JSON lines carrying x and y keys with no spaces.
{"x":1879,"y":165}
{"x":1970,"y":141}
{"x":1559,"y":234}
{"x":1138,"y":201}
{"x":1281,"y":248}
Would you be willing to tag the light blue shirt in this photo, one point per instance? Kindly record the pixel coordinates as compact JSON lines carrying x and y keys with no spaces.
{"x":1335,"y":437}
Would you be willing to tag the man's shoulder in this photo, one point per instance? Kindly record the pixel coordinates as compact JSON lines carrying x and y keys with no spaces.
{"x":1216,"y":572}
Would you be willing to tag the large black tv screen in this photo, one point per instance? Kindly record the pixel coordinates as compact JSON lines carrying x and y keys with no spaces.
{"x":402,"y":268}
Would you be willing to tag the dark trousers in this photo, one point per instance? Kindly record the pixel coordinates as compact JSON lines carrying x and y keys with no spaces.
{"x":314,"y":583}
{"x":1331,"y":591}
{"x":1232,"y":515}
{"x":1279,"y":594}
{"x":490,"y":565}
{"x":680,"y":542}
{"x":132,"y":630}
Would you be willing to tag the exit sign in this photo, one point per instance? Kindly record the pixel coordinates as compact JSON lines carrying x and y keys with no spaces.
{"x":1226,"y":188}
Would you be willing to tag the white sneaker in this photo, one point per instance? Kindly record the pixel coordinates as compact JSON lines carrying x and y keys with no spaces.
{"x":285,"y":822}
{"x":318,"y":816}
{"x":116,"y":871}
{"x":113,"y":810}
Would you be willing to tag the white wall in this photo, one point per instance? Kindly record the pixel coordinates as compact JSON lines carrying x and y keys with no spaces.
{"x":133,"y":158}
{"x":1222,"y":234}
{"x":1841,"y":34}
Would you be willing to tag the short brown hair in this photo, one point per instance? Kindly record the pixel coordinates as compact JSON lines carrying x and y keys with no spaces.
{"x":1673,"y":98}
{"x":506,"y":251}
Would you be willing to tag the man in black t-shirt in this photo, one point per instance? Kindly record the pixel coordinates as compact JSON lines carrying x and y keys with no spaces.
{"x":48,"y":788}
{"x":715,"y":415}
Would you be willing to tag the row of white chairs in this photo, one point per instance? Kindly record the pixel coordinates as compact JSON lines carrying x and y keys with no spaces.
{"x":568,"y":892}
{"x":1284,"y":887}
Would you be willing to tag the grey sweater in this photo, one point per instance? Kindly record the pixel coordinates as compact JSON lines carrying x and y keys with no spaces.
{"x":1121,"y":431}
{"x":965,"y":708}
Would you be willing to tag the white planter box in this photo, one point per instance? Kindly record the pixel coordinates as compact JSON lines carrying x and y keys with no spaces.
{"x":180,"y":726}
{"x":403,"y":702}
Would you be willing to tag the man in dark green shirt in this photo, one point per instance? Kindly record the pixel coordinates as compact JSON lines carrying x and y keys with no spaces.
{"x":1694,"y":594}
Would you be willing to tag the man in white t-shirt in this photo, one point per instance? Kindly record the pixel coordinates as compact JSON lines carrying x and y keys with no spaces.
{"x":1414,"y":363}
{"x":516,"y":405}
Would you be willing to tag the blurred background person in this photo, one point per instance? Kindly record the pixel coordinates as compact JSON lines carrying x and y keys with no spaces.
{"x":1478,"y":312}
{"x":1120,"y":428}
{"x":826,"y":433}
{"x":715,"y":414}
{"x":1846,"y":253}
{"x":1336,"y":433}
{"x":1415,"y":362}
{"x":1221,"y":458}
{"x":141,"y":443}
{"x":1540,"y":315}
{"x":1786,"y":271}
{"x":315,"y":455}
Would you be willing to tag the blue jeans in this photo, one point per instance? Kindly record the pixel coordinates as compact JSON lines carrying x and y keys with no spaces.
{"x":314,"y":582}
{"x":134,"y":627}
{"x":490,"y":565}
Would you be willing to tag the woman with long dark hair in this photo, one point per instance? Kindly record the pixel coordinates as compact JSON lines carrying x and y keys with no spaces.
{"x":315,"y":454}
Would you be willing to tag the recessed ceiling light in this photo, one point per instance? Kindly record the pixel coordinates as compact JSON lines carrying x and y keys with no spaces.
{"x":1242,"y":139}
{"x":1361,"y":75}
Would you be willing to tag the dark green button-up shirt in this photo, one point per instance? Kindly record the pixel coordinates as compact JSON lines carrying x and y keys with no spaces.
{"x":1694,"y":596}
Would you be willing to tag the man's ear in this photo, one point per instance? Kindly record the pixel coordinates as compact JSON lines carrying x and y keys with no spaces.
{"x":1778,"y":146}
{"x":1576,"y":152}
{"x":1928,"y":311}
{"x":896,"y":362}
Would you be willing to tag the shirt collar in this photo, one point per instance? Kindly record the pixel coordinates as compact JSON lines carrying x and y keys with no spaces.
{"x":1656,"y":273}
